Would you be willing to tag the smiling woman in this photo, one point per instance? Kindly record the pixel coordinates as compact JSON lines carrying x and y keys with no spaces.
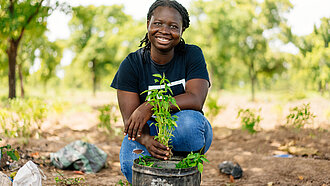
{"x":164,"y":52}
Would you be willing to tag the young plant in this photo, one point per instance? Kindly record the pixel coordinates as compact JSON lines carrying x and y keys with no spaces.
{"x":249,"y":119}
{"x":300,"y":116}
{"x":62,"y":180}
{"x":108,"y":115}
{"x":161,"y":100}
{"x":213,"y":108}
{"x":192,"y":160}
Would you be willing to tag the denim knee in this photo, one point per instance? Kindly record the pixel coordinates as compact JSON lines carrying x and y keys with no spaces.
{"x":192,"y":133}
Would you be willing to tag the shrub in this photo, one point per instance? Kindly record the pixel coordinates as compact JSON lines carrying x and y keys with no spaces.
{"x":108,"y":116}
{"x":249,"y":119}
{"x":300,"y":116}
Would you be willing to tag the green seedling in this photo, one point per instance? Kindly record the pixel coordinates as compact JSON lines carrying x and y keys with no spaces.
{"x":12,"y":153}
{"x":249,"y":119}
{"x":108,"y":116}
{"x":62,"y":180}
{"x":121,"y":183}
{"x":161,"y":100}
{"x":213,"y":108}
{"x":300,"y":116}
{"x":192,"y":160}
{"x":143,"y":160}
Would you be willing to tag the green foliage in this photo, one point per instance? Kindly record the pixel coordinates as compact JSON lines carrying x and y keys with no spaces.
{"x":145,"y":161}
{"x":108,"y":116}
{"x":12,"y":153}
{"x":300,"y":116}
{"x":192,"y":160}
{"x":121,"y":183}
{"x":161,"y":101}
{"x":62,"y":180}
{"x":249,"y":119}
{"x":21,"y":117}
{"x":212,"y":106}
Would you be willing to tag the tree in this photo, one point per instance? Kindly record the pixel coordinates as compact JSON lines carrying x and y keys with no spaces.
{"x":19,"y":18}
{"x":99,"y":37}
{"x":235,"y":35}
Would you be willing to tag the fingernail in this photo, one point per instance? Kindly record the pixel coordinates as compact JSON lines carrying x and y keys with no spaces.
{"x":165,"y":158}
{"x":129,"y":138}
{"x":166,"y":154}
{"x":124,"y":134}
{"x":133,"y":139}
{"x":139,"y":135}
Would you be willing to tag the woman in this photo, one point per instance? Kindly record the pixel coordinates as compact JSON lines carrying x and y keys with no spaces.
{"x":184,"y":66}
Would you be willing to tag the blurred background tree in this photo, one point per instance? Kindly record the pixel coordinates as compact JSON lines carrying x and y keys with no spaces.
{"x":239,"y":40}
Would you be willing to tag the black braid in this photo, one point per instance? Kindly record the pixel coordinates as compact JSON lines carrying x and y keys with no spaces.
{"x":185,"y":22}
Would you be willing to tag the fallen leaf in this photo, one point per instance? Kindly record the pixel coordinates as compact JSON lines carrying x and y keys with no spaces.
{"x":79,"y":172}
{"x":231,"y":179}
{"x":301,"y":177}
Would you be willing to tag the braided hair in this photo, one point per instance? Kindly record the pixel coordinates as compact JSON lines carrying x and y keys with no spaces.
{"x":185,"y":22}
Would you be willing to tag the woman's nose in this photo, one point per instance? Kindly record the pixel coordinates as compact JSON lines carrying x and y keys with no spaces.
{"x":164,"y":29}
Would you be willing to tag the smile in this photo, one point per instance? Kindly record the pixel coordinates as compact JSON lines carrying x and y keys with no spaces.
{"x":162,"y":39}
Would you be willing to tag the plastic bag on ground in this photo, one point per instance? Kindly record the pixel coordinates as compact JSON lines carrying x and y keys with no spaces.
{"x":29,"y":175}
{"x":81,"y":156}
{"x":4,"y":180}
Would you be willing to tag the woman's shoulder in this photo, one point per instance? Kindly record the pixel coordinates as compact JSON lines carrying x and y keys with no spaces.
{"x":135,"y":57}
{"x":192,"y":48}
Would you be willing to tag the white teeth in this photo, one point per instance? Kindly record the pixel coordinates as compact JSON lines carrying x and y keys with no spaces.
{"x":162,"y":39}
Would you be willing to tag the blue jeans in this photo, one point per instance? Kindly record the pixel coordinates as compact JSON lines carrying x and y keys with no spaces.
{"x":192,"y":134}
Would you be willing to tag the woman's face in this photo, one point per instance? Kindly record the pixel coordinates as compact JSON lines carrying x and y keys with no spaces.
{"x":165,"y":28}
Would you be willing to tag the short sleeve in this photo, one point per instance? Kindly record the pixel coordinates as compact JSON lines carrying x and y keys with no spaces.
{"x":126,"y":78}
{"x":196,"y":65}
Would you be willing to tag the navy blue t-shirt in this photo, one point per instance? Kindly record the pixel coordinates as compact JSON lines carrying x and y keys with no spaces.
{"x":134,"y":75}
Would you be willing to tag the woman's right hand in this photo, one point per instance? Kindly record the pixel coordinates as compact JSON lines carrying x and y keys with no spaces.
{"x":137,"y":120}
{"x":155,"y":148}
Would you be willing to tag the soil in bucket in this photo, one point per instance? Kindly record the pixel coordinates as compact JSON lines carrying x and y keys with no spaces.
{"x":165,"y":173}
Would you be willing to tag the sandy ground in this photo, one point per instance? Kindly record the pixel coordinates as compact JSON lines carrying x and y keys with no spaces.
{"x":255,"y":153}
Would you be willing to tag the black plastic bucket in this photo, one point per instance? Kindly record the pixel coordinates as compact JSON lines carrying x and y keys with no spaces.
{"x":166,"y":175}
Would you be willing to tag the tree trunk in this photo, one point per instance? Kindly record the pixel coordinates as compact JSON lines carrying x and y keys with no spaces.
{"x":94,"y":76}
{"x":12,"y":53}
{"x":253,"y":77}
{"x":21,"y":79}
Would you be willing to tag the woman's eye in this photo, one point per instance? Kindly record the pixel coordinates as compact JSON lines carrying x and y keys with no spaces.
{"x":174,"y":27}
{"x":157,"y":23}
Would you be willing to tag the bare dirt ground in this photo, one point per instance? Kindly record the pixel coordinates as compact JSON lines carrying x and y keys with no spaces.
{"x":254,"y":153}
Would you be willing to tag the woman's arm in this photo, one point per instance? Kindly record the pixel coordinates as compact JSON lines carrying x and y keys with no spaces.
{"x":194,"y":97}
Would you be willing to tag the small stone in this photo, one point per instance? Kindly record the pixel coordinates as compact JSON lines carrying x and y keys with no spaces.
{"x":228,"y":167}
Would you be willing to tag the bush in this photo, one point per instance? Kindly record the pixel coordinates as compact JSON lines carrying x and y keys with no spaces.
{"x":21,"y":117}
{"x":249,"y":119}
{"x":108,"y":116}
{"x":300,"y":116}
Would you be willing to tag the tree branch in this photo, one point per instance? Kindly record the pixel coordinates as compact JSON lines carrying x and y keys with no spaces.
{"x":29,"y":20}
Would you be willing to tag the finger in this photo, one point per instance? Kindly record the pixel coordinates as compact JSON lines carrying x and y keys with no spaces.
{"x":161,"y":146}
{"x":160,"y":152}
{"x":127,"y":124}
{"x":140,"y":130}
{"x":135,"y":129}
{"x":130,"y":130}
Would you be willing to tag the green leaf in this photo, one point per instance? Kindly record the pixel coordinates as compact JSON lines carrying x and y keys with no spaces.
{"x":204,"y":159}
{"x":200,"y":167}
{"x":157,"y":75}
{"x":13,"y":154}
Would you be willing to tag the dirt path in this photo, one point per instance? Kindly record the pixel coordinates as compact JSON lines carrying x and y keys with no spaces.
{"x":255,"y":153}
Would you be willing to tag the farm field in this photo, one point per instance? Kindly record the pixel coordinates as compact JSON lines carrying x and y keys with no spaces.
{"x":254,"y":152}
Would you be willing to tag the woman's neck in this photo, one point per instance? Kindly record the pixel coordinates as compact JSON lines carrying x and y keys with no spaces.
{"x":161,"y":57}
